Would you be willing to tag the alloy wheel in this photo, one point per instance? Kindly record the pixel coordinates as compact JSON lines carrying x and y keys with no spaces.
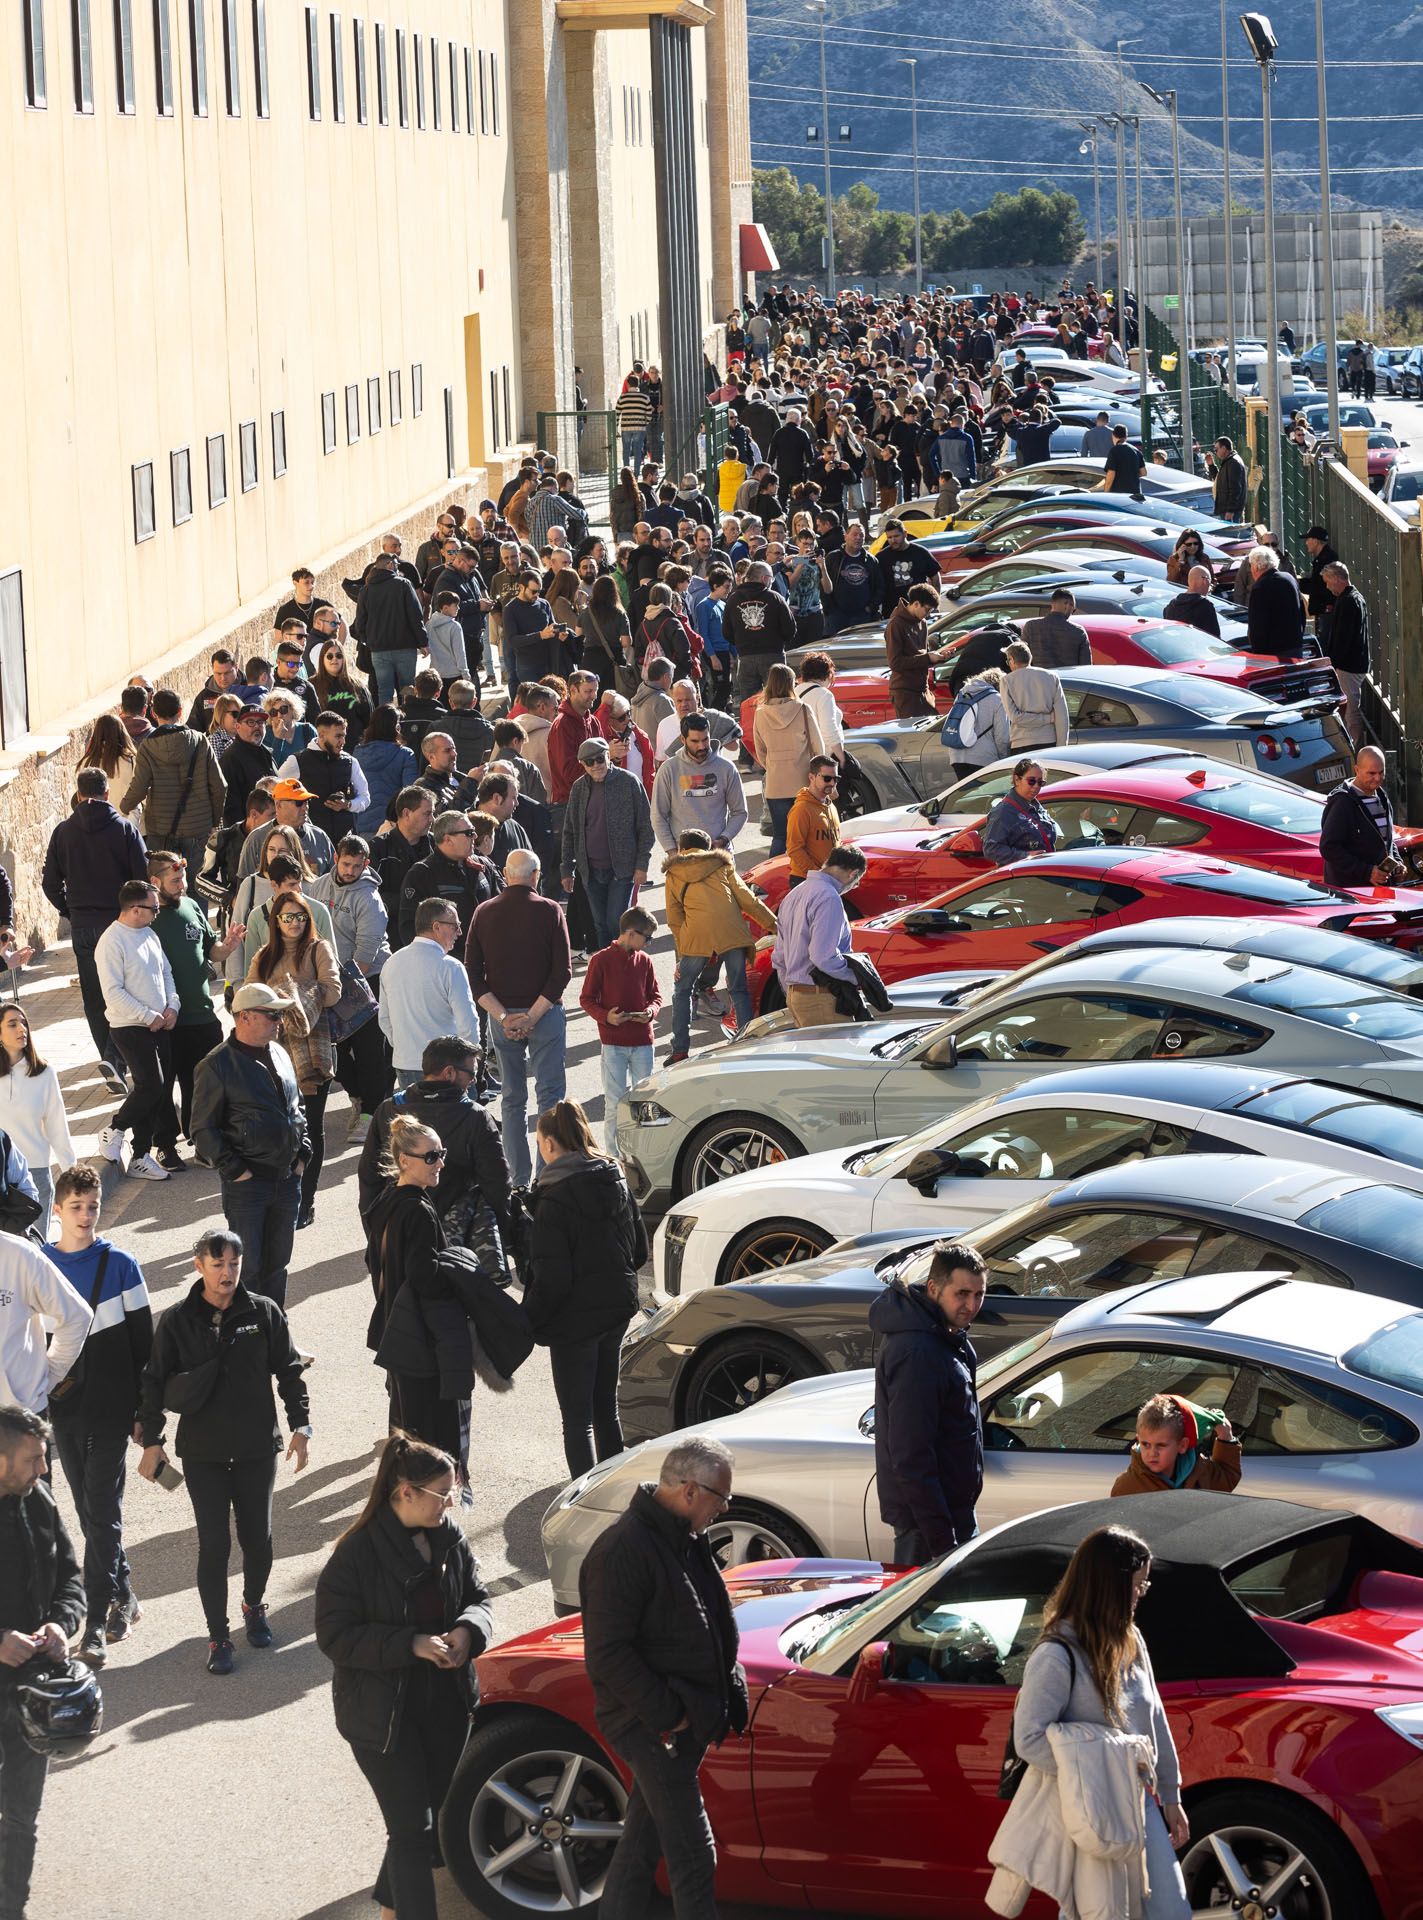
{"x":1249,"y":1873}
{"x":737,"y":1540}
{"x":737,"y":1150}
{"x":776,"y":1247}
{"x":543,"y":1828}
{"x":741,"y":1376}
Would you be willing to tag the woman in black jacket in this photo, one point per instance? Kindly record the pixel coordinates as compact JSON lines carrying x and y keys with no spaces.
{"x":401,"y":1614}
{"x":215,"y":1355}
{"x":585,"y":1247}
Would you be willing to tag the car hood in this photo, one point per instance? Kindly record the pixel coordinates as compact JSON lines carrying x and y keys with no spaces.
{"x":833,"y":1046}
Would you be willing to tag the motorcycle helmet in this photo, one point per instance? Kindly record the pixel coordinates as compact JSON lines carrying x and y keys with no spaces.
{"x":61,"y":1710}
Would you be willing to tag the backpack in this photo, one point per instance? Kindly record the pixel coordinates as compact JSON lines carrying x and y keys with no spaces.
{"x":960,"y":726}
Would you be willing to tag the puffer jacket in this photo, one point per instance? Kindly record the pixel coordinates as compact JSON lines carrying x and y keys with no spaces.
{"x":928,"y":1428}
{"x":363,"y":1622}
{"x":585,"y":1247}
{"x":159,"y":777}
{"x":707,"y":904}
{"x":1079,"y":1835}
{"x":786,"y":737}
{"x":242,"y":1123}
{"x":358,"y":919}
{"x":388,"y":767}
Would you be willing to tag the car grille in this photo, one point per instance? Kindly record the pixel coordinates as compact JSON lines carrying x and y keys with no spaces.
{"x":1297,"y":683}
{"x":679,"y":1232}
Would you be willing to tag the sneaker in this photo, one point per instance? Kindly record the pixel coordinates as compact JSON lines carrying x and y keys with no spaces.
{"x":124,"y":1616}
{"x":360,"y":1127}
{"x":467,"y":1496}
{"x":113,"y":1077}
{"x":254,"y":1619}
{"x":93,"y":1649}
{"x":220,"y":1658}
{"x":309,"y":1360}
{"x":111,"y":1144}
{"x":711,"y":1005}
{"x":145,"y":1167}
{"x":171,"y":1160}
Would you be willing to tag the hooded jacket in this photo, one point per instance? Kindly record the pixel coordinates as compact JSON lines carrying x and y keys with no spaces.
{"x":388,"y":615}
{"x":358,"y":918}
{"x":89,"y":857}
{"x":928,"y":1429}
{"x":1216,"y":1472}
{"x":708,"y":903}
{"x":812,"y":832}
{"x":586,"y":1244}
{"x":650,"y":707}
{"x":160,"y":778}
{"x":388,"y":767}
{"x":786,"y":737}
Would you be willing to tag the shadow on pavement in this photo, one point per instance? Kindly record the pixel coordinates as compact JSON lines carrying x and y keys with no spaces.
{"x":523,"y":1541}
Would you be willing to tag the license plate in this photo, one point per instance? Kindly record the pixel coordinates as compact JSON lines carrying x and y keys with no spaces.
{"x":1331,"y":775}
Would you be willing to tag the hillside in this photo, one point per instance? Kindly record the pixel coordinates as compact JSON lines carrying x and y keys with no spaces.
{"x":1002,"y":89}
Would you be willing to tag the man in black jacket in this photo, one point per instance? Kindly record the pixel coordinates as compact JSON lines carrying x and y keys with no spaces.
{"x":452,"y":871}
{"x":1314,"y":586}
{"x":928,"y":1430}
{"x":1231,"y":482}
{"x":395,"y":852}
{"x":660,"y":1645}
{"x":249,"y":1123}
{"x":1194,"y":607}
{"x":1344,"y":632}
{"x":388,"y":623}
{"x":1356,"y":832}
{"x":759,"y":626}
{"x":442,"y":1100}
{"x":1274,"y":612}
{"x":41,"y":1606}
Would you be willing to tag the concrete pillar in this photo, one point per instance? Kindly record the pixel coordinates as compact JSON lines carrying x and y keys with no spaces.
{"x":591,"y":215}
{"x":729,"y":112}
{"x":1356,"y":451}
{"x":538,"y":137}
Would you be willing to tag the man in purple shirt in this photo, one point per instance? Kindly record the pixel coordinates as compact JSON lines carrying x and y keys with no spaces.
{"x":813,"y":936}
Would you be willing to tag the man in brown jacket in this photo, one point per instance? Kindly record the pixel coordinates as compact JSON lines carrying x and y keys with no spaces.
{"x":708,"y":905}
{"x":1171,"y":1436}
{"x":813,"y":830}
{"x":906,"y":645}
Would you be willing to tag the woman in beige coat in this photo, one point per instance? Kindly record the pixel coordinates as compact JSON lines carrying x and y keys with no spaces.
{"x":297,"y":962}
{"x":787,"y":738}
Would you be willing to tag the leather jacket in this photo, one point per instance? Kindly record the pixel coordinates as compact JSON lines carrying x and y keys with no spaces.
{"x":242,"y":1123}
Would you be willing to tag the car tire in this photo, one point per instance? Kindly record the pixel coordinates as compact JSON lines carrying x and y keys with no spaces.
{"x":773,"y":994}
{"x":748,"y":1532}
{"x":538,"y":1757}
{"x":731,"y":1144}
{"x":738,"y":1372}
{"x":771,"y":1244}
{"x":861,"y":795}
{"x":1262,"y":1831}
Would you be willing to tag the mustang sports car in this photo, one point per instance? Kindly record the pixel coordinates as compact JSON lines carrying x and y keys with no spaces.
{"x":1285,"y":1642}
{"x":735,"y":1107}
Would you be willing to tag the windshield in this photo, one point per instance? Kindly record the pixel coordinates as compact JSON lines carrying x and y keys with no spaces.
{"x":1205,"y":697}
{"x":1169,"y":645}
{"x":1285,"y":809}
{"x":887,"y":1157}
{"x":1316,"y":997}
{"x":1406,"y":485}
{"x":1384,"y":1127}
{"x":1393,"y":1355}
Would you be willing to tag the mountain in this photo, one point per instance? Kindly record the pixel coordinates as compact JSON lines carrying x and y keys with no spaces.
{"x":1002,"y":90}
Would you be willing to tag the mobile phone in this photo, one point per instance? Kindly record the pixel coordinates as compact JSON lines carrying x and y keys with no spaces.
{"x":168,"y":1477}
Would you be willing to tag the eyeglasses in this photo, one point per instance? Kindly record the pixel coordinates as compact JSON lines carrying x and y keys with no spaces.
{"x":714,"y":1493}
{"x":460,"y":833}
{"x":145,"y":906}
{"x":1032,"y":780}
{"x":829,"y":779}
{"x":446,"y":1499}
{"x":431,"y":1159}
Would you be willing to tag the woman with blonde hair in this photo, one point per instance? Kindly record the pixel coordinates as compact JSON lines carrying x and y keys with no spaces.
{"x":298,"y":963}
{"x":222,"y":726}
{"x":288,"y":732}
{"x":787,"y":739}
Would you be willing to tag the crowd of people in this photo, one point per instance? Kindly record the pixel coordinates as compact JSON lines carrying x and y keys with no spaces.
{"x":373,"y":859}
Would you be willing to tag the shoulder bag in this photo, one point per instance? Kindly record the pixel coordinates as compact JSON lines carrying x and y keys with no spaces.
{"x":69,"y":1386}
{"x":1010,"y":1774}
{"x":355,"y":1008}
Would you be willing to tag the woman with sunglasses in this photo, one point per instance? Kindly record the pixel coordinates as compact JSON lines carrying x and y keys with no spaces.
{"x":1189,"y":551}
{"x":403,"y":1237}
{"x":298,"y":963}
{"x":337,"y":692}
{"x":401,"y":1613}
{"x":1019,"y":826}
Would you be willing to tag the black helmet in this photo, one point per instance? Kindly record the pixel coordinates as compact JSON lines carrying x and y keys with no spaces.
{"x":61,"y":1710}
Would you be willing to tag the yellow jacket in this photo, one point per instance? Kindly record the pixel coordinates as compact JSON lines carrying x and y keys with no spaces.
{"x":708,"y":903}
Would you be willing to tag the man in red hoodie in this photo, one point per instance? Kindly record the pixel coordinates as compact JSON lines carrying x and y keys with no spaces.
{"x":573,"y":724}
{"x":620,"y":992}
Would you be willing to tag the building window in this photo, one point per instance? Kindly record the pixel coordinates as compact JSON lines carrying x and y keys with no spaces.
{"x":180,"y":482}
{"x":483,"y":95}
{"x":261,"y":87}
{"x":328,"y":422}
{"x":493,"y":433}
{"x":338,"y":71}
{"x":358,"y":42}
{"x":145,"y":524}
{"x":417,"y":390}
{"x":35,"y":84}
{"x":508,"y":412}
{"x":449,"y":433}
{"x":279,"y":445}
{"x":14,"y":686}
{"x":82,"y":40}
{"x":454,"y":88}
{"x":373,"y":404}
{"x":123,"y":54}
{"x":382,"y":78}
{"x":163,"y":58}
{"x":468,"y":90}
{"x":418,"y":61}
{"x":395,"y":396}
{"x":198,"y":53}
{"x":353,"y":414}
{"x":313,"y":64}
{"x":247,"y":454}
{"x":494,"y":94}
{"x":217,"y":469}
{"x":435,"y":82}
{"x":231,"y":63}
{"x":402,"y":81}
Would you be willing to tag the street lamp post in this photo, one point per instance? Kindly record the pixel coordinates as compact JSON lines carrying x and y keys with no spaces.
{"x":1188,"y":440}
{"x":1119,"y":134}
{"x":913,"y":66}
{"x":820,"y":7}
{"x":1264,"y":46}
{"x":1229,"y":215}
{"x":1090,"y":129}
{"x":1326,"y":232}
{"x":1141,"y":355}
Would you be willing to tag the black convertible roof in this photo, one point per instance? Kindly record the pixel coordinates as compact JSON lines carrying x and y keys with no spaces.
{"x":1194,"y":1626}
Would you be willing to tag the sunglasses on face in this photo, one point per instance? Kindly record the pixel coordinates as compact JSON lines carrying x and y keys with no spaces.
{"x":430,"y":1159}
{"x":292,"y":919}
{"x":1032,"y":780}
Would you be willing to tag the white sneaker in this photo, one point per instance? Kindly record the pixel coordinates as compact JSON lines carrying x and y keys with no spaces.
{"x":113,"y":1079}
{"x":111,"y":1144}
{"x":360,"y":1127}
{"x":145,"y":1167}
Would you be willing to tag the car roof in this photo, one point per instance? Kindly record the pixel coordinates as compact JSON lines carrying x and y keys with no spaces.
{"x":1131,"y":863}
{"x":1195,"y":1083}
{"x":1170,"y":969}
{"x":1157,"y":681}
{"x":1248,"y":1181}
{"x":1290,"y":940}
{"x":1161,"y":786}
{"x":1267,"y":1309}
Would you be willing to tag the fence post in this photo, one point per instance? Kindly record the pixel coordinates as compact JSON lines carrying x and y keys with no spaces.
{"x":1355,"y":441}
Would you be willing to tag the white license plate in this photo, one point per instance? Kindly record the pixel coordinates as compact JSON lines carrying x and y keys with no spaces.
{"x":1331,"y":775}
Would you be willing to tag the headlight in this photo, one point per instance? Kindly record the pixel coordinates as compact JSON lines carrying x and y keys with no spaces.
{"x":679,"y":1228}
{"x":1407,"y":1720}
{"x":647,"y":1113}
{"x":576,"y":1490}
{"x":647,"y":1324}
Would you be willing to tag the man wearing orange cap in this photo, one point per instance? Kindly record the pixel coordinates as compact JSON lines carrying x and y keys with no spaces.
{"x":291,"y":798}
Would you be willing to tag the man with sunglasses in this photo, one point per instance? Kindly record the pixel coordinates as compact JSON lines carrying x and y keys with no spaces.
{"x":452,"y":872}
{"x":425,"y":992}
{"x":813,"y":829}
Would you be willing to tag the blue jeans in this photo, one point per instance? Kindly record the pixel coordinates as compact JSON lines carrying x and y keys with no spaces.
{"x":392,"y":671}
{"x":543,"y":1052}
{"x":689,"y":969}
{"x":634,"y":447}
{"x":262,"y":1212}
{"x":44,"y":1187}
{"x":609,"y":897}
{"x":780,"y":812}
{"x":623,"y":1067}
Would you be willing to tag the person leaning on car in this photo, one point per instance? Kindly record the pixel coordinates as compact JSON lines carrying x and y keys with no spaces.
{"x":660,"y":1645}
{"x":928,"y":1429}
{"x":813,"y":938}
{"x":1356,"y":832}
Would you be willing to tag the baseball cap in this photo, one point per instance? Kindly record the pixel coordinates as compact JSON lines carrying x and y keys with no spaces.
{"x":291,"y":790}
{"x":1317,"y":533}
{"x":257,"y":998}
{"x":591,"y":750}
{"x":250,"y":713}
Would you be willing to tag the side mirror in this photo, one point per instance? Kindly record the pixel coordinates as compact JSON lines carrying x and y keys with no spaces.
{"x":945,"y":1054}
{"x":969,"y":841}
{"x":871,"y":1671}
{"x":926,"y":922}
{"x":928,"y":1167}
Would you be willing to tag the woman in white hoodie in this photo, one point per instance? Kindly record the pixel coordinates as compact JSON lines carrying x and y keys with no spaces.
{"x":32,"y":1108}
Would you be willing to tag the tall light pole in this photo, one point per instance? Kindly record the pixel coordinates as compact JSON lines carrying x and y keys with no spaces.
{"x":1141,"y":355}
{"x":1264,"y":46}
{"x":913,"y":66}
{"x":1188,"y":440}
{"x":1326,"y":232}
{"x":821,"y":7}
{"x":1229,"y":216}
{"x":1089,"y":127}
{"x":1119,"y":134}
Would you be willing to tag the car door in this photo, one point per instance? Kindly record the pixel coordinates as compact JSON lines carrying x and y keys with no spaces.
{"x":1008,"y":919}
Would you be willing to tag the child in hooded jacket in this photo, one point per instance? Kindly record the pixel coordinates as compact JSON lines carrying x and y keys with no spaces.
{"x":1172,"y":1436}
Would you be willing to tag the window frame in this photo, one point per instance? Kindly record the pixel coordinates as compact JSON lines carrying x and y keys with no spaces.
{"x":81,"y":43}
{"x":483,"y":92}
{"x":139,"y":473}
{"x":494,"y":94}
{"x":382,"y":76}
{"x":328,"y":421}
{"x":13,"y":727}
{"x":469,"y":125}
{"x":247,"y":462}
{"x":36,"y":74}
{"x":336,"y":29}
{"x":231,"y":64}
{"x":313,"y":63}
{"x":417,"y":62}
{"x":163,"y":97}
{"x":394,"y":410}
{"x":417,"y":388}
{"x":358,"y":45}
{"x":279,"y":442}
{"x":373,"y":406}
{"x":353,"y":412}
{"x":180,"y":461}
{"x":198,"y":56}
{"x":261,"y":73}
{"x":436,"y":115}
{"x":216,"y":443}
{"x":402,"y":80}
{"x":454,"y":86}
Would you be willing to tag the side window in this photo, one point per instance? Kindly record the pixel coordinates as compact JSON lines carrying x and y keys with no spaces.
{"x":1062,"y":1146}
{"x":1083,"y":1255}
{"x":1190,"y":1035}
{"x":1029,"y":901}
{"x":1166,"y":830}
{"x":1287,"y":1414}
{"x":1094,"y":823}
{"x":1098,"y":712}
{"x":1224,"y":1250}
{"x":1087,"y":1402}
{"x":975,"y":1643}
{"x":1066,"y":1028}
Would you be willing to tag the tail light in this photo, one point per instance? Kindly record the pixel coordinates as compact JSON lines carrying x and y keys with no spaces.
{"x":1267,"y":746}
{"x":1292,"y":747}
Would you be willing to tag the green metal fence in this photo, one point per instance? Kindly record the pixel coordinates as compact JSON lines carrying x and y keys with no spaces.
{"x":587,"y":444}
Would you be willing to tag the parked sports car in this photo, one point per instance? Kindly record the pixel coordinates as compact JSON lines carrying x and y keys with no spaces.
{"x":1073,"y":470}
{"x":709,"y":1351}
{"x":810,"y":1088}
{"x":880,"y":1709}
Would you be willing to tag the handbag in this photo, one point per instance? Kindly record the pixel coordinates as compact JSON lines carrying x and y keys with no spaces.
{"x":66,"y":1388}
{"x":356,"y":1006}
{"x":189,"y":1392}
{"x":1010,"y":1774}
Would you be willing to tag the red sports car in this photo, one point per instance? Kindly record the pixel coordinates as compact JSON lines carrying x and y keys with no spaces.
{"x":1222,"y":814}
{"x":1285,"y":1640}
{"x":1014,"y":914}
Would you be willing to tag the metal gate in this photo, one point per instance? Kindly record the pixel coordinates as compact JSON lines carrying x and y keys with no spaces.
{"x":587,"y":444}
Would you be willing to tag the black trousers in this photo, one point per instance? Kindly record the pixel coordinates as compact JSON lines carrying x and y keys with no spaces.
{"x":585,"y":1379}
{"x":223,"y":1492}
{"x":22,"y":1777}
{"x":314,"y":1105}
{"x":666,"y":1819}
{"x":147,"y":1113}
{"x":91,"y":992}
{"x":410,"y":1783}
{"x":94,"y":1462}
{"x":186,"y":1046}
{"x":363,"y":1065}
